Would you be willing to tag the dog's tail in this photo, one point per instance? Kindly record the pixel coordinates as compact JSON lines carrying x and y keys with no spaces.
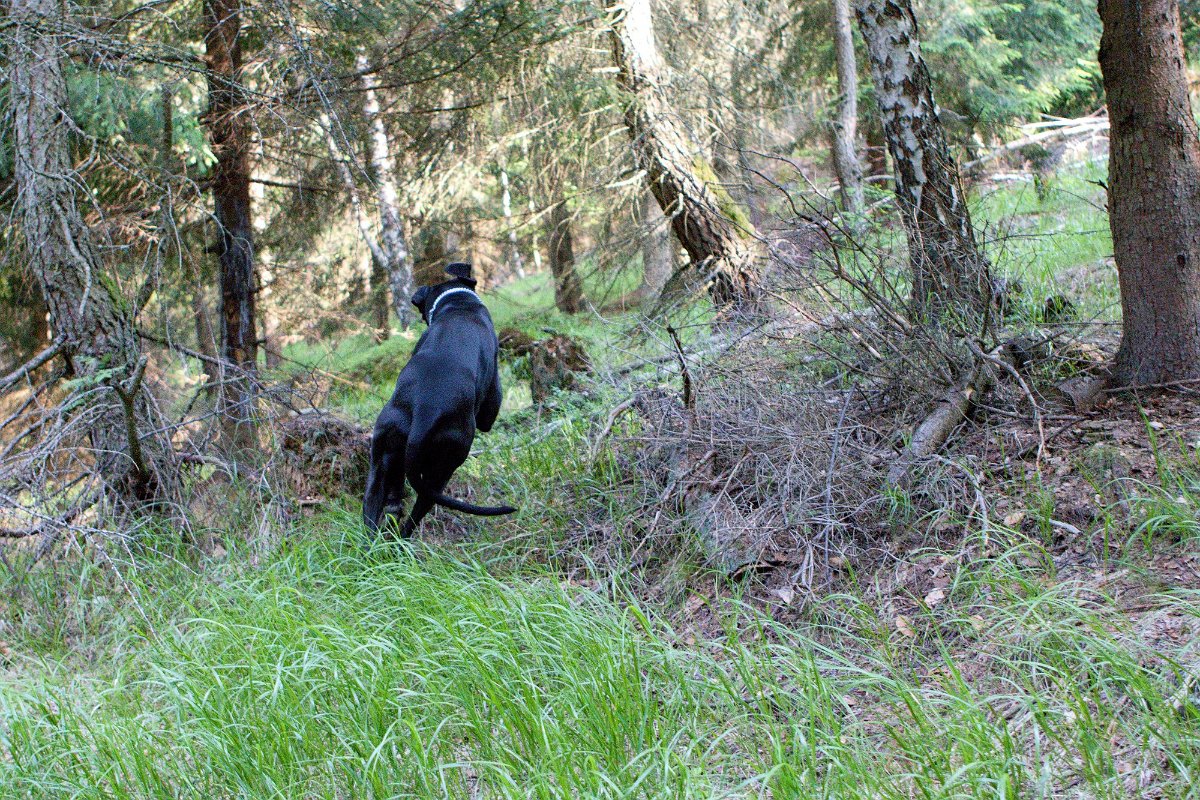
{"x":479,"y":511}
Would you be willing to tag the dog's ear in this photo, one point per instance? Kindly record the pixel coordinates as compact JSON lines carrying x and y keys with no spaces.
{"x":462,"y":271}
{"x":419,"y":299}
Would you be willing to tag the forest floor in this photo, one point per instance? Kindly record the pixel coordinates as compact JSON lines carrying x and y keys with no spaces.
{"x":1028,"y":628}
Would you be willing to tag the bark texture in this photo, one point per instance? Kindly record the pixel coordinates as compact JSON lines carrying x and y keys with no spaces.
{"x":433,"y":253}
{"x":949,"y":272}
{"x":1153,"y":191}
{"x":568,"y":291}
{"x":391,"y":225}
{"x":845,"y":124}
{"x":876,"y":147}
{"x":93,"y":321}
{"x":515,"y":262}
{"x":710,"y":226}
{"x":332,"y":133}
{"x":229,"y":132}
{"x":658,"y":252}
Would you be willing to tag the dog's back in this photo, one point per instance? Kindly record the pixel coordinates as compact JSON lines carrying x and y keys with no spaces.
{"x":449,"y":389}
{"x":453,"y":367}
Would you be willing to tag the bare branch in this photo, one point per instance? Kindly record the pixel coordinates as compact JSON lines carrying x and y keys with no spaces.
{"x":32,"y":364}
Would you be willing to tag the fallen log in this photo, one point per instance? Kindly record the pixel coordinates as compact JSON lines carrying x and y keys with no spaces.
{"x":952,"y":408}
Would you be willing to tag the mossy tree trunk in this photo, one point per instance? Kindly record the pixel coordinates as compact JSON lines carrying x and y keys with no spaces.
{"x":1153,"y":191}
{"x":93,"y":321}
{"x":710,"y":226}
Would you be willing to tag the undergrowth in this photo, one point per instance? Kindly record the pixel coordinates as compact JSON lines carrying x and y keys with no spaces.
{"x":336,"y":670}
{"x":524,"y":657}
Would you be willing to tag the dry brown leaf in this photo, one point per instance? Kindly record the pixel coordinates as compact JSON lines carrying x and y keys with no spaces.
{"x":786,"y":595}
{"x":904,"y":626}
{"x":934,"y":597}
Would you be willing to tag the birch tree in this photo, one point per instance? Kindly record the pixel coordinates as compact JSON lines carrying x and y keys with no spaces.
{"x":949,"y":273}
{"x":845,"y":124}
{"x":383,"y":170}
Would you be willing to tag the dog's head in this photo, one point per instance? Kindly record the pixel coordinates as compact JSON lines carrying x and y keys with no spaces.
{"x":460,"y":275}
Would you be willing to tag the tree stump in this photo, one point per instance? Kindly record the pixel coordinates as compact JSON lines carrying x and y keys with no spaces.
{"x":554,"y":364}
{"x":323,"y":457}
{"x":514,"y":343}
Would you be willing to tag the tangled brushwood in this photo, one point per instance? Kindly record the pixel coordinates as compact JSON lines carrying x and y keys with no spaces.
{"x":62,"y":482}
{"x":793,"y":438}
{"x":751,"y":463}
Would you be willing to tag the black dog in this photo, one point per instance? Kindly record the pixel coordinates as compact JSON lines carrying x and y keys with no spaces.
{"x":448,"y":389}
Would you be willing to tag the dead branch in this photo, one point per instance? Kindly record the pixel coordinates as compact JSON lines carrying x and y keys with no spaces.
{"x":128,"y":395}
{"x":608,"y":426}
{"x":953,"y":408}
{"x":689,"y":402}
{"x":1054,"y":128}
{"x":1006,"y":364}
{"x":1084,"y":391}
{"x":932,"y":433}
{"x":29,"y":366}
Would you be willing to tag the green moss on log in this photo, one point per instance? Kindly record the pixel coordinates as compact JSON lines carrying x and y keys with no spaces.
{"x":731,"y":208}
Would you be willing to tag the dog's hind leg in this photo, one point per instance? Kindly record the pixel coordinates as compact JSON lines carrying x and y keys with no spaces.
{"x":385,"y":480}
{"x":429,"y":463}
{"x":376,"y":494}
{"x":394,"y":489}
{"x":420,"y":508}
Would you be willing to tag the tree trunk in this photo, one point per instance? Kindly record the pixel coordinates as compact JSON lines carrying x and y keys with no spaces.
{"x":514,"y":248}
{"x":1153,"y":191}
{"x":876,"y":147}
{"x":395,"y":249}
{"x":845,"y":126}
{"x":714,"y":231}
{"x":658,"y":253}
{"x":568,"y":291}
{"x":949,"y":272}
{"x":93,"y":321}
{"x":229,"y":133}
{"x":374,"y":272}
{"x":206,"y":337}
{"x":432,"y":251}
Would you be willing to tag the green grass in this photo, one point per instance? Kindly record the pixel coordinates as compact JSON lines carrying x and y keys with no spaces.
{"x":1056,"y":241}
{"x":1052,"y":241}
{"x":364,"y":371}
{"x":333,"y":670}
{"x":325,"y":668}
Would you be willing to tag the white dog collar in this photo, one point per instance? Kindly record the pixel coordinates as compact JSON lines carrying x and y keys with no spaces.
{"x":445,"y":294}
